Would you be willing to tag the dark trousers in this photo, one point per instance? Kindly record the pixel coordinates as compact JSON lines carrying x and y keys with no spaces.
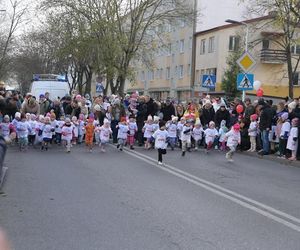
{"x":114,"y":124}
{"x":161,"y":152}
{"x":282,"y":146}
{"x":140,"y":134}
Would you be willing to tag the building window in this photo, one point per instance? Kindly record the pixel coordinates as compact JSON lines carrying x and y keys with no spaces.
{"x":295,"y":49}
{"x":169,"y":48}
{"x":202,"y":46}
{"x":211,"y":44}
{"x":151,"y":75}
{"x":181,"y":23}
{"x":168,"y":27}
{"x":168,"y":73}
{"x":181,"y":69}
{"x":296,"y":80}
{"x":211,"y":71}
{"x":265,"y":44}
{"x":190,"y":42}
{"x":181,"y":46}
{"x":234,"y":43}
{"x":142,"y":76}
{"x":189,"y":69}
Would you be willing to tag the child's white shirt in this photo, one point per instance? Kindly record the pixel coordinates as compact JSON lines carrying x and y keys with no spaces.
{"x":23,"y":129}
{"x":286,"y":127}
{"x":104,"y":134}
{"x":197,"y":133}
{"x":160,"y":137}
{"x":222,"y":134}
{"x":155,"y":127}
{"x":210,"y":135}
{"x":233,"y":138}
{"x":122,"y":132}
{"x":172,"y":130}
{"x":75,"y":129}
{"x":67,"y":133}
{"x":291,"y":144}
{"x":80,"y":127}
{"x":186,"y":136}
{"x":179,"y":129}
{"x":148,"y":130}
{"x":253,"y":129}
{"x":59,"y":126}
{"x":132,"y":128}
{"x":47,"y":133}
{"x":5,"y":129}
{"x":32,"y":125}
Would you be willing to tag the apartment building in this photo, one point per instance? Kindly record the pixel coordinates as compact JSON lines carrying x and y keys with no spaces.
{"x":170,"y":73}
{"x":215,"y":45}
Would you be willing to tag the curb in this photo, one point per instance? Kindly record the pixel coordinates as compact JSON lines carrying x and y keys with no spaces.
{"x":4,"y":171}
{"x":273,"y":158}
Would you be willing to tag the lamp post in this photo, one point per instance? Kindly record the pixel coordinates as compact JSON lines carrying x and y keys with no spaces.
{"x":246,"y":40}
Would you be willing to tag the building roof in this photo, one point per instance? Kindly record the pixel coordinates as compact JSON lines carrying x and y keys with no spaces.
{"x":227,"y":26}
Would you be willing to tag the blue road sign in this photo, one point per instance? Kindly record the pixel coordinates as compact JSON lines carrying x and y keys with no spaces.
{"x":209,"y":81}
{"x":245,"y":81}
{"x":99,"y":88}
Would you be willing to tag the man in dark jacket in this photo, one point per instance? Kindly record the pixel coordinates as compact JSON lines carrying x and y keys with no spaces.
{"x":141,"y":117}
{"x":265,"y":124}
{"x":222,"y":114}
{"x":151,"y":106}
{"x":208,"y":113}
{"x":168,"y":110}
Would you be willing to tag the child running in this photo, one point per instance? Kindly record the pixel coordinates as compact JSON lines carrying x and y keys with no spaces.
{"x":160,"y":137}
{"x":67,"y":134}
{"x":233,"y":140}
{"x":89,"y":134}
{"x":122,"y":133}
{"x":105,"y":132}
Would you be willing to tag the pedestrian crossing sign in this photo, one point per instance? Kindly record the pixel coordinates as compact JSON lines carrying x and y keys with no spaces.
{"x":209,"y":81}
{"x":245,"y":81}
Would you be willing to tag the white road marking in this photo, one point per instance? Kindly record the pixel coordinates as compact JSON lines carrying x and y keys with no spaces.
{"x":260,"y":208}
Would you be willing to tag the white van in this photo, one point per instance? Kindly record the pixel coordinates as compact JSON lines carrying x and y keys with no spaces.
{"x":56,"y":85}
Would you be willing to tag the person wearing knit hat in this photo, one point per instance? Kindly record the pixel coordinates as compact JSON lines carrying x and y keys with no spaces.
{"x":233,"y":140}
{"x":292,"y":143}
{"x":122,"y":133}
{"x":252,"y":132}
{"x":89,"y":134}
{"x":67,"y":134}
{"x":211,"y":134}
{"x":148,"y":131}
{"x":23,"y":129}
{"x":284,"y":134}
{"x":172,"y":130}
{"x":105,"y":132}
{"x":6,"y":128}
{"x":222,"y":135}
{"x":132,"y":126}
{"x":47,"y":133}
{"x":197,"y":133}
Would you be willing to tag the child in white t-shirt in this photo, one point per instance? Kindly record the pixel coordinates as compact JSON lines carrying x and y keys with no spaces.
{"x":105,"y":132}
{"x":172,"y":131}
{"x":233,"y":140}
{"x":160,"y":136}
{"x":197,"y":133}
{"x":252,"y":132}
{"x":211,"y":135}
{"x":292,"y":143}
{"x":122,"y":133}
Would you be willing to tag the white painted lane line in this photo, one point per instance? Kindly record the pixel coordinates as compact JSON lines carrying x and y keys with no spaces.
{"x":261,"y":205}
{"x":194,"y":180}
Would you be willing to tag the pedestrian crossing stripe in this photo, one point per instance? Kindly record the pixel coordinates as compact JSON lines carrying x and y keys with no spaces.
{"x":245,"y":82}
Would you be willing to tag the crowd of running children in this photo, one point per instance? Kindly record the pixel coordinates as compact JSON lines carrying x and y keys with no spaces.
{"x":186,"y":134}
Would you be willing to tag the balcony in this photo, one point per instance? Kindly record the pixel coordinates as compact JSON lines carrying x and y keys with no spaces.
{"x":273,"y":56}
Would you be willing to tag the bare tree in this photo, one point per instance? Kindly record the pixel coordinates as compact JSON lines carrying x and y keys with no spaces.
{"x":121,"y":29}
{"x":16,"y":15}
{"x":285,"y":19}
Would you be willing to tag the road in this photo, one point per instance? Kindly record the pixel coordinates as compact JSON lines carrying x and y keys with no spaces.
{"x":124,"y":200}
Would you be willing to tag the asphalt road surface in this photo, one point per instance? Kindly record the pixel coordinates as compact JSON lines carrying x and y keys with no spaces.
{"x":124,"y":200}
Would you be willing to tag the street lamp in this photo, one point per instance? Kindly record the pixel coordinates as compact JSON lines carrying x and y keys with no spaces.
{"x":246,"y":40}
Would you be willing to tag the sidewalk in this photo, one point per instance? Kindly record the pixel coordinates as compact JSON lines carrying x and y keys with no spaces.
{"x":272,"y":157}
